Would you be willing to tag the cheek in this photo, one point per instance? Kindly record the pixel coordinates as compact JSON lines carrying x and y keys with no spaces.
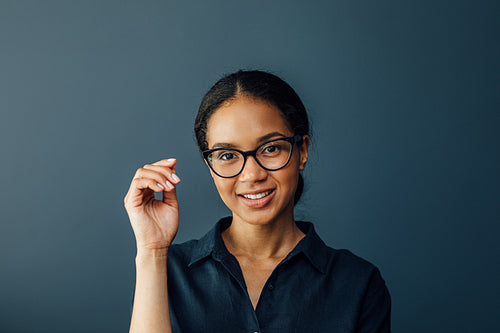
{"x":292,"y":181}
{"x":224,"y":187}
{"x":219,"y":182}
{"x":291,"y":176}
{"x":220,"y":187}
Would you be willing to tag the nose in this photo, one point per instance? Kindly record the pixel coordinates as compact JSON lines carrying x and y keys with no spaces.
{"x":252,"y":171}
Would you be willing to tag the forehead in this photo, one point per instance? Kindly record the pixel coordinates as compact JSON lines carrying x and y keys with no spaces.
{"x":241,"y":122}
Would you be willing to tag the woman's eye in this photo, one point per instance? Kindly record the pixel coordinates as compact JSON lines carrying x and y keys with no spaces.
{"x":226,"y":156}
{"x":271,"y":149}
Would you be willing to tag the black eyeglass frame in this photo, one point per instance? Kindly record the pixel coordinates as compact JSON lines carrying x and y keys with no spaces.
{"x":291,"y":139}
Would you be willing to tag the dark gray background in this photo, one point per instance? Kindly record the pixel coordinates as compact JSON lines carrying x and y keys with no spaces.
{"x":403,"y":98}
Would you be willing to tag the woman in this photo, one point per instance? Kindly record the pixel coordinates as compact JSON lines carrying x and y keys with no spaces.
{"x":258,"y":270}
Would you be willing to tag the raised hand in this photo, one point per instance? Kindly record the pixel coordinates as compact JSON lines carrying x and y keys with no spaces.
{"x":155,"y":222}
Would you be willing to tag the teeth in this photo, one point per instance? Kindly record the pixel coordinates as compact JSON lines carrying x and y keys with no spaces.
{"x":256,"y":196}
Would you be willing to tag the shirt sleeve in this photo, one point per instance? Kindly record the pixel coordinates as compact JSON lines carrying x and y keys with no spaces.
{"x":375,"y":314}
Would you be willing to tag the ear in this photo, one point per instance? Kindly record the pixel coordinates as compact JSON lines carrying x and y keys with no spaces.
{"x":303,"y":152}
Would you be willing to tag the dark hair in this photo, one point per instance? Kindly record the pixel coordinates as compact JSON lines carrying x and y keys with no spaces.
{"x":258,"y":84}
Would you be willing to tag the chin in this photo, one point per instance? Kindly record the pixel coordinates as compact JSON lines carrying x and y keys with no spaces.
{"x":259,"y":216}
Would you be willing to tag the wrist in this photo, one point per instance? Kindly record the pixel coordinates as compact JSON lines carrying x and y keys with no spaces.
{"x":145,"y":254}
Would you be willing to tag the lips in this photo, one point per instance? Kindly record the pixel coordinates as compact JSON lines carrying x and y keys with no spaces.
{"x":257,"y":199}
{"x":256,"y":196}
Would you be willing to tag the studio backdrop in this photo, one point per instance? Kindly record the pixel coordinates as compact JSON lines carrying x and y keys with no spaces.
{"x":403,"y":171}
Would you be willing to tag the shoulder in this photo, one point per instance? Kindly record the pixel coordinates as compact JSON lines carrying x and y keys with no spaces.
{"x":357,"y":274}
{"x":182,"y":252}
{"x":342,"y":259}
{"x":335,"y":262}
{"x":197,"y":249}
{"x":365,"y":284}
{"x":345,"y":267}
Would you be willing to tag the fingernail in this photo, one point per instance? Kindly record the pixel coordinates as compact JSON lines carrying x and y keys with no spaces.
{"x":169,"y":185}
{"x":175,"y":177}
{"x":161,"y":186}
{"x":171,"y":160}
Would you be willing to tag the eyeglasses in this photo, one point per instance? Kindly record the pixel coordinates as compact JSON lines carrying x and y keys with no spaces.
{"x":271,"y":155}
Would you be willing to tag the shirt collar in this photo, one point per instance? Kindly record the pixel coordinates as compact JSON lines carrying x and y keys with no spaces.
{"x":211,"y":243}
{"x":311,"y":245}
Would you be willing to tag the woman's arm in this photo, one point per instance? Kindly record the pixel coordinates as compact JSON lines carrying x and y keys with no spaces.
{"x":155,"y":224}
{"x":151,"y":311}
{"x":376,"y":310}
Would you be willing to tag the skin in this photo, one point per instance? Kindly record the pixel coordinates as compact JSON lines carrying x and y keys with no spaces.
{"x":259,"y":238}
{"x":155,"y":224}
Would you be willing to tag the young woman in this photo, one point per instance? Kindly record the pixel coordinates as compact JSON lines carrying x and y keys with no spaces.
{"x":258,"y":270}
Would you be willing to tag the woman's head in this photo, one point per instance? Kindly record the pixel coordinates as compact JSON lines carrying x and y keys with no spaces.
{"x":261,"y":88}
{"x":256,"y":84}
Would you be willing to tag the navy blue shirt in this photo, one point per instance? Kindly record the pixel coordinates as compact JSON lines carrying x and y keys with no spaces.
{"x":314,"y":289}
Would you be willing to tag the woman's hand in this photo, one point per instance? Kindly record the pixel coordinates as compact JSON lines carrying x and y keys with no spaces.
{"x":155,"y":222}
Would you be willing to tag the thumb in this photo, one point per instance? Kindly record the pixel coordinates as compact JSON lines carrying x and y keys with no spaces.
{"x":170,"y":197}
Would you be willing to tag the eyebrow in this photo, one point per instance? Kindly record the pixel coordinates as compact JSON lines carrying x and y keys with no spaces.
{"x":259,"y":140}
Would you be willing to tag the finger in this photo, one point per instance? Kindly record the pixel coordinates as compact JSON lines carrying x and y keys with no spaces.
{"x":162,"y":176}
{"x":170,"y":194}
{"x":169,"y":162}
{"x":147,"y":183}
{"x":170,"y":197}
{"x":166,"y":171}
{"x":139,"y":189}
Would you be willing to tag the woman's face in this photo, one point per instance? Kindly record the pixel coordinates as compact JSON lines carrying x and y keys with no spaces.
{"x":244,"y":124}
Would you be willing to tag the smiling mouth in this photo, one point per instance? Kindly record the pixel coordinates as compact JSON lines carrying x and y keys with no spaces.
{"x":256,"y":196}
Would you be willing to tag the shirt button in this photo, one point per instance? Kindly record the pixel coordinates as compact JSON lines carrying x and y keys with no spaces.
{"x":271,"y":287}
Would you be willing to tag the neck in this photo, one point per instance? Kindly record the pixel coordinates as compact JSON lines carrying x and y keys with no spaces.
{"x":262,"y":241}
